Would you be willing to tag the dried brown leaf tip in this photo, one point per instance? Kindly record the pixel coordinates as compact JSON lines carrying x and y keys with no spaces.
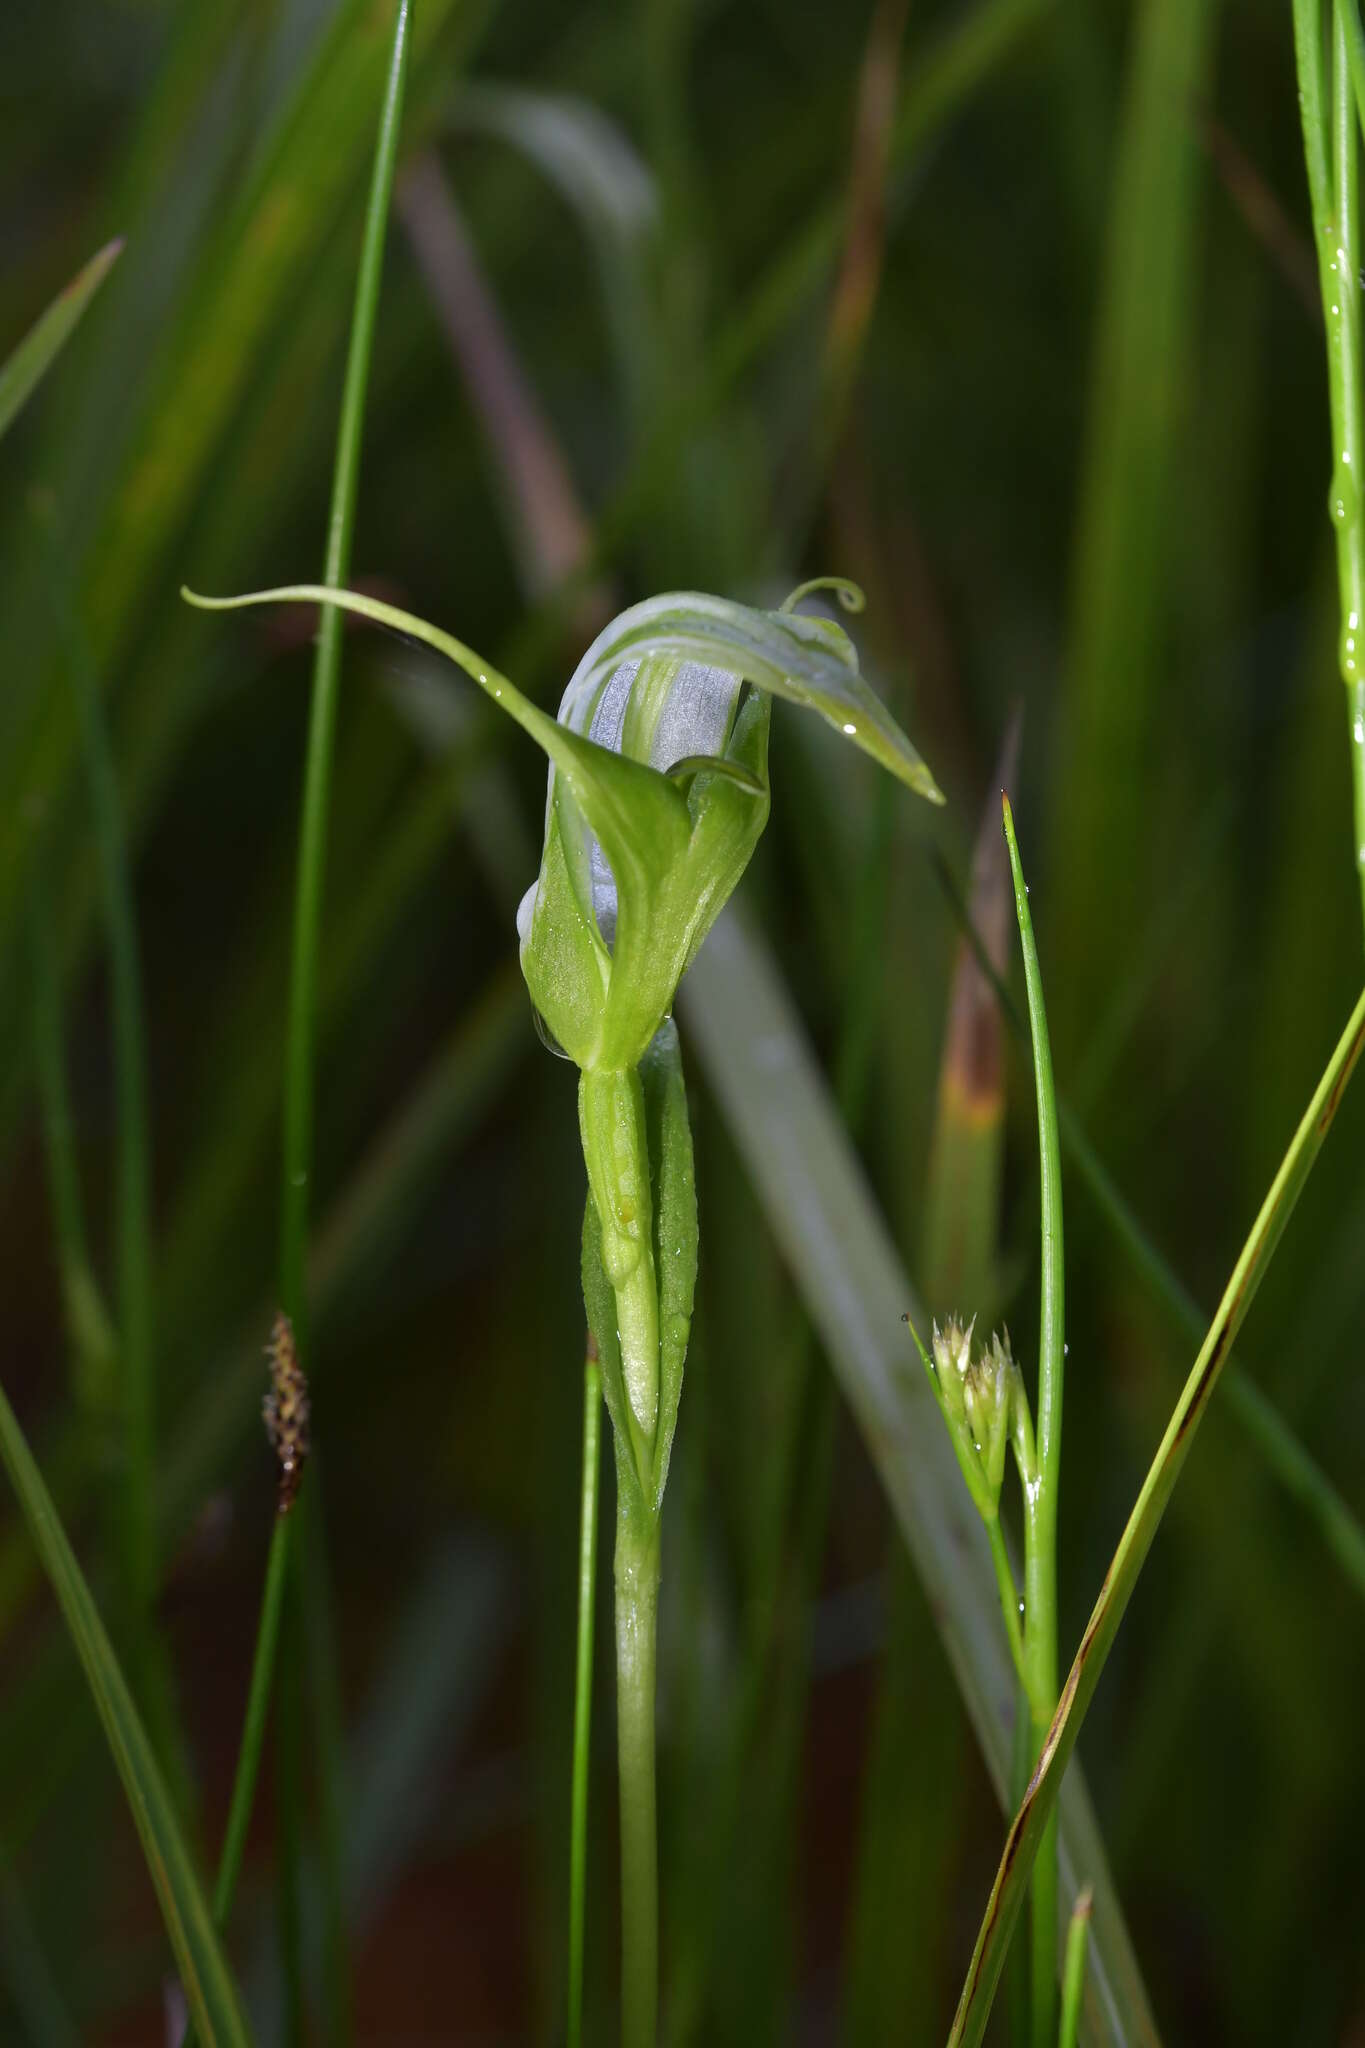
{"x":285,"y":1409}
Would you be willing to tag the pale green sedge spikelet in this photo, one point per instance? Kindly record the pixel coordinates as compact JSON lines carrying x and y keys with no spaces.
{"x":981,"y":1396}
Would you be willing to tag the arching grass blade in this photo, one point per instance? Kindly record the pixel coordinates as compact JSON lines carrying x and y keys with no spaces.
{"x":1031,"y":1821}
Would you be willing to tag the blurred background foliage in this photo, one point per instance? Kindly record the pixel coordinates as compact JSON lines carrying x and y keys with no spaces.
{"x":1004,"y":308}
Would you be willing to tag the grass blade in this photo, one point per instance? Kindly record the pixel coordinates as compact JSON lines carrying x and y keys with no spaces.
{"x":1285,"y":1457}
{"x":27,"y":364}
{"x":1030,"y":1822}
{"x":1040,"y":1552}
{"x":1126,"y":511}
{"x":761,"y":1069}
{"x":1331,"y":144}
{"x":133,"y":1205}
{"x":300,"y":1053}
{"x":297,"y":1149}
{"x":208,"y":1986}
{"x":298,"y":1104}
{"x":1073,"y":1972}
{"x":90,"y":1331}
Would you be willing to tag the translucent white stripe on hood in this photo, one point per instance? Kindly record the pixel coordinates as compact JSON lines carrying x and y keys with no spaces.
{"x":695,"y":719}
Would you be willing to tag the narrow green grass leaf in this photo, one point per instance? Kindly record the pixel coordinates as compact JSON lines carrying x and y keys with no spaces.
{"x":1331,"y":113}
{"x":298,"y":1092}
{"x":133,"y":1195}
{"x":763,"y":1074}
{"x":1127,"y":515}
{"x":208,"y":1985}
{"x":300,"y":1054}
{"x":24,"y":367}
{"x":90,"y":1330}
{"x":1040,"y":1551}
{"x":1030,"y":1822}
{"x":1285,"y":1457}
{"x":1073,"y":1972}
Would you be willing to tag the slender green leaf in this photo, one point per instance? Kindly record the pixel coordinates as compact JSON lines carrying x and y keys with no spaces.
{"x":1285,"y":1457}
{"x":1030,"y":1822}
{"x":310,"y":1587}
{"x":1128,"y":515}
{"x":133,"y":1198}
{"x":204,"y":1974}
{"x":1073,"y":1972}
{"x":761,"y":1070}
{"x":23,"y":368}
{"x":1040,"y":1511}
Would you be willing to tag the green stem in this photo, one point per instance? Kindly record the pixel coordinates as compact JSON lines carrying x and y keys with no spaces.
{"x":1284,"y":1455}
{"x":1009,"y":1593}
{"x":582,"y":1720}
{"x":1073,"y":1972}
{"x":253,"y":1733}
{"x":1330,"y":120}
{"x":297,"y":1150}
{"x":1039,"y":1803}
{"x":94,"y":1346}
{"x":298,"y":1095}
{"x":1040,"y":1518}
{"x":253,"y":1726}
{"x":289,"y":1801}
{"x":1020,"y":1961}
{"x":637,"y":1609}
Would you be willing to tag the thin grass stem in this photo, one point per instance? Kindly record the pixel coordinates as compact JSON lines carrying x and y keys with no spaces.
{"x":253,"y":1735}
{"x":1009,"y":1593}
{"x":90,"y":1331}
{"x":1040,"y":1515}
{"x":300,"y":1054}
{"x":1038,"y":1808}
{"x":253,"y":1726}
{"x":298,"y":1095}
{"x":582,"y":1719}
{"x":1327,"y":100}
{"x":1073,"y":1972}
{"x":1283,"y":1454}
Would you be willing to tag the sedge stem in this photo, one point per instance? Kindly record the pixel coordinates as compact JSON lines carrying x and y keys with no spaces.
{"x":1009,"y":1594}
{"x":1040,"y":1496}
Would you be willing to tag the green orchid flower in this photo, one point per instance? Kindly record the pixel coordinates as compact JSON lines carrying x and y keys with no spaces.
{"x":657,"y":797}
{"x":680,"y":687}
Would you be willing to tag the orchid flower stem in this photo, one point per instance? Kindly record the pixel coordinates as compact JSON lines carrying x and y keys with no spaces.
{"x":582,"y":1722}
{"x":637,"y":1610}
{"x":1040,"y":1493}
